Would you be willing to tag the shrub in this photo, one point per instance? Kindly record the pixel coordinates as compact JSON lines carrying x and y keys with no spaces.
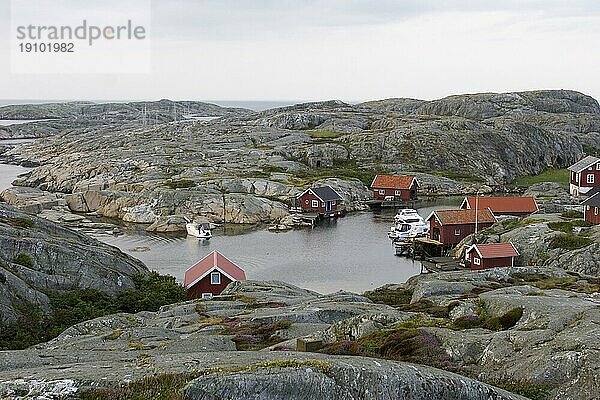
{"x":570,"y":242}
{"x":151,"y":292}
{"x":572,"y":214}
{"x":22,"y":222}
{"x":467,"y":322}
{"x":391,"y":297}
{"x":180,"y":184}
{"x":24,"y":260}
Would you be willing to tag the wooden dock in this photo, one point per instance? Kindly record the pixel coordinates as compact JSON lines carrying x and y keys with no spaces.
{"x":441,"y":264}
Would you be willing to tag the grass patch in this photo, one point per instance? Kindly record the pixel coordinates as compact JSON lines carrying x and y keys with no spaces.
{"x":25,"y":223}
{"x":180,"y":183}
{"x":572,"y":214}
{"x":325,"y":134}
{"x":255,"y":336}
{"x":568,"y":226}
{"x":341,"y":169}
{"x":391,"y":297}
{"x":158,"y":387}
{"x":570,"y":242}
{"x":530,"y":390}
{"x":561,"y":176}
{"x":24,"y":259}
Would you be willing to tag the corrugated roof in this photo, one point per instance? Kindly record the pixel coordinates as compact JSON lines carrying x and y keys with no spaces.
{"x":458,"y":217}
{"x":325,"y":193}
{"x":494,"y":250}
{"x":503,"y":204}
{"x":214,"y":260}
{"x":398,"y":182}
{"x":593,"y":201}
{"x":584,"y":163}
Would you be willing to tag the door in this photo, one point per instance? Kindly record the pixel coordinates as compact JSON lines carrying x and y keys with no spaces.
{"x":436,"y":234}
{"x":328,"y":206}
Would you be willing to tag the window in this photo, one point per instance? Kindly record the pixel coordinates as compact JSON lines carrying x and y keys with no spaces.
{"x":306,"y":202}
{"x":456,"y":232}
{"x":215,"y":278}
{"x":207,"y":295}
{"x":578,"y":178}
{"x":598,"y":166}
{"x":315,"y":203}
{"x":588,"y":208}
{"x":590,"y":178}
{"x":333,"y":203}
{"x":381,"y":192}
{"x":476,"y":261}
{"x":322,"y":204}
{"x":595,"y":210}
{"x":398,"y":192}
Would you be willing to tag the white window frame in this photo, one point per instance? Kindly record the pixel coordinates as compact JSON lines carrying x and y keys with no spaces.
{"x":457,"y":232}
{"x":333,"y":202}
{"x":207,"y":296}
{"x":595,"y":210}
{"x":398,"y":192}
{"x":476,"y":260}
{"x":307,"y":202}
{"x":590,"y":178}
{"x":598,"y":166}
{"x":212,"y":280}
{"x":382,"y":192}
{"x":315,"y":204}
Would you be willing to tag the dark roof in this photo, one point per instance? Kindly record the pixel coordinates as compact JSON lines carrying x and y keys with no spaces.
{"x":593,"y":201}
{"x":593,"y":191}
{"x":325,"y":193}
{"x":584,"y":163}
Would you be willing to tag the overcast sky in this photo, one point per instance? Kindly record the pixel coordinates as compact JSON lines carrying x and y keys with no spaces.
{"x":350,"y":50}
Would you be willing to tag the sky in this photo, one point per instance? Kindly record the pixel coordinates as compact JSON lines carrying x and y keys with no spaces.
{"x":351,"y":50}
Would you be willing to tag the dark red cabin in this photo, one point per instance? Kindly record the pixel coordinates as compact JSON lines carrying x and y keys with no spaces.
{"x":492,"y":255}
{"x":322,"y":200}
{"x":591,"y":209}
{"x":209,"y":276}
{"x":452,"y":226}
{"x":395,"y":188}
{"x":585,"y":175}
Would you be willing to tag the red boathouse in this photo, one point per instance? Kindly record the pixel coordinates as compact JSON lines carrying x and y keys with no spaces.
{"x":517,"y":206}
{"x":322,"y":200}
{"x":209,"y":276}
{"x":491,"y":255}
{"x":394,"y":188}
{"x":452,"y":226}
{"x":591,"y":209}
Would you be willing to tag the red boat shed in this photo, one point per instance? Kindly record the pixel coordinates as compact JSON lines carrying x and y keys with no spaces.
{"x":492,"y":255}
{"x":322,"y":200}
{"x":394,"y":187}
{"x":591,"y":209}
{"x":585,"y":174}
{"x":209,"y":276}
{"x":452,"y":226}
{"x":517,"y":206}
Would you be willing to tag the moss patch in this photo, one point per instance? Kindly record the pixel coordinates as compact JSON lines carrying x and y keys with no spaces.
{"x":253,"y":335}
{"x":561,"y":176}
{"x":570,"y":242}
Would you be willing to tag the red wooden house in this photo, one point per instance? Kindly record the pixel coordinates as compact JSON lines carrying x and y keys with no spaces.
{"x":517,"y":206}
{"x":394,"y":188}
{"x":585,"y":174}
{"x":209,"y":276}
{"x":322,"y":200}
{"x":452,"y":226}
{"x":591,"y":209}
{"x":492,"y":255}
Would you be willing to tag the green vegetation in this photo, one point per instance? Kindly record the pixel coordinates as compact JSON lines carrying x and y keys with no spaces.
{"x":572,"y":283}
{"x":568,"y":226}
{"x":591,"y":150}
{"x":341,"y":169}
{"x":548,"y":175}
{"x":391,"y":297}
{"x":21,"y":223}
{"x":325,"y":134}
{"x":180,"y":183}
{"x":24,"y":260}
{"x":570,"y":242}
{"x":530,"y":390}
{"x":254,"y":336}
{"x":572,"y":214}
{"x":74,"y":306}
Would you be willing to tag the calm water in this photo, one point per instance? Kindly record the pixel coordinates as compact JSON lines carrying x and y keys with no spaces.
{"x":8,"y":173}
{"x":352,"y":253}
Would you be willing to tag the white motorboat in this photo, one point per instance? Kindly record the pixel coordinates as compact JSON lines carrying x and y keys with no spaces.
{"x":201,"y":231}
{"x":408,"y":224}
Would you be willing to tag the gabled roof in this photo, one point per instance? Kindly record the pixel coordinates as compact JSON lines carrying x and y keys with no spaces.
{"x":593,"y":191}
{"x":398,"y":182}
{"x":213,"y":261}
{"x":494,"y":250}
{"x":584,"y":163}
{"x":324,"y":193}
{"x":460,"y":217}
{"x":502,"y":204}
{"x":593,"y":201}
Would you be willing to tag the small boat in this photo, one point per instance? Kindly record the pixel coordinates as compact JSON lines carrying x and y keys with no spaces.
{"x":408,"y":224}
{"x":201,"y":231}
